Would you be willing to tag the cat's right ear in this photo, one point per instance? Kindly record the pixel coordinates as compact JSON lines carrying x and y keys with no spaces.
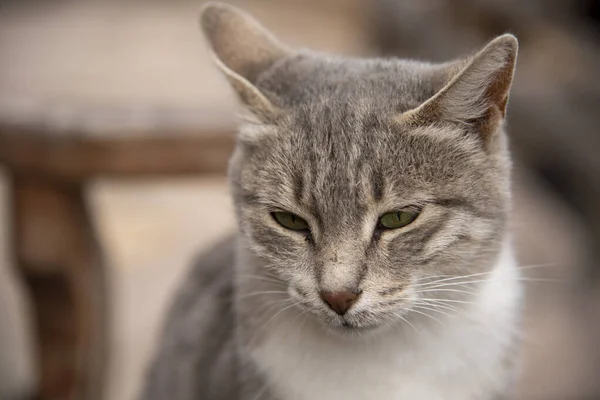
{"x":243,"y":49}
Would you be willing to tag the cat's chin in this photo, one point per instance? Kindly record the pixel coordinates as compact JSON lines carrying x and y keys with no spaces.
{"x":349,"y":326}
{"x":349,"y":329}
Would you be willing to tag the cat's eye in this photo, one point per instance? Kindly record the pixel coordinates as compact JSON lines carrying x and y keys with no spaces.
{"x":290,"y":221}
{"x":397,"y":219}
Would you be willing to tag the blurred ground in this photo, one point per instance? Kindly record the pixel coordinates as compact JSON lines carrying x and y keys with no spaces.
{"x":123,"y":53}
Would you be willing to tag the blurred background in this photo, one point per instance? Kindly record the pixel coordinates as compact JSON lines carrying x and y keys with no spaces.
{"x":114,"y":135}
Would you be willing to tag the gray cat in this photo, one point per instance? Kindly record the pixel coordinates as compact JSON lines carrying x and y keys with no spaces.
{"x":373,"y":259}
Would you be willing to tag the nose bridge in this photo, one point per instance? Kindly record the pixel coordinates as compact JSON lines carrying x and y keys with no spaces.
{"x":341,"y":267}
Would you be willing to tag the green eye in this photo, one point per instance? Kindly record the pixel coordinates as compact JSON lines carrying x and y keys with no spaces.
{"x":290,"y":221}
{"x":397,"y":219}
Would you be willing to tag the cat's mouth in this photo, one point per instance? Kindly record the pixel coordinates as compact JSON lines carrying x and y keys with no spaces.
{"x":352,"y":322}
{"x":359,"y":328}
{"x":353,"y":325}
{"x":353,"y":328}
{"x":350,"y":325}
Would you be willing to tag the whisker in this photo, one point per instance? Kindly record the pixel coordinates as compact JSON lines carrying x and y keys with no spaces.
{"x":422,"y":278}
{"x":447,"y":301}
{"x":270,"y":305}
{"x":298,"y":316}
{"x":262,"y":278}
{"x":542,"y":280}
{"x":473,"y":281}
{"x":453,"y":278}
{"x":436,"y":309}
{"x":262,"y":328}
{"x":442,"y":306}
{"x":244,"y":296}
{"x":304,"y":312}
{"x":270,"y":274}
{"x":277,"y":314}
{"x":450,"y":278}
{"x":408,"y":322}
{"x":447,"y":290}
{"x":435,"y":279}
{"x":532,"y":266}
{"x":427,"y":315}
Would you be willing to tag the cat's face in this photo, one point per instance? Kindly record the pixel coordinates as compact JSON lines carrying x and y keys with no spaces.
{"x":341,"y":179}
{"x":357,"y":183}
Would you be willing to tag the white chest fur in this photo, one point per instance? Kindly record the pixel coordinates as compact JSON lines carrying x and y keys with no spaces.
{"x":460,"y":360}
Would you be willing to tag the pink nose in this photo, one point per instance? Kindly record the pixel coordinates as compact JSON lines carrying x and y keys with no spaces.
{"x":340,"y":302}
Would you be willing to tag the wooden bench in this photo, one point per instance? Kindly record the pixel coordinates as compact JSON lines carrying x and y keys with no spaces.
{"x":55,"y":247}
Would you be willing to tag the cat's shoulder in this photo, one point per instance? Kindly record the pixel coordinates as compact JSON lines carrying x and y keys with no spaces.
{"x":197,"y":337}
{"x":206,"y":290}
{"x":215,"y":264}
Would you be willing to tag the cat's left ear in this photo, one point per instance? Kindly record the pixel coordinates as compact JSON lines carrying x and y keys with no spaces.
{"x":477,"y":91}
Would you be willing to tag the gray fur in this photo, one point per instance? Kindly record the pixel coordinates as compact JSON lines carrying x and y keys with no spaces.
{"x":337,"y":141}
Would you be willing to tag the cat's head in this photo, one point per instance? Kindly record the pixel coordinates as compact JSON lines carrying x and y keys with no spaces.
{"x":358,"y":183}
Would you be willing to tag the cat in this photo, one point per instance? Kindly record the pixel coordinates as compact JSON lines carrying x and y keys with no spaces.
{"x":373,"y":258}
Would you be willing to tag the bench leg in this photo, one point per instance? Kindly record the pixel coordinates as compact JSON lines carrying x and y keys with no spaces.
{"x":57,"y":255}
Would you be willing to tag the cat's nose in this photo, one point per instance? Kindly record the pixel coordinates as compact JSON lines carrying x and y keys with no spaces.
{"x":340,"y":302}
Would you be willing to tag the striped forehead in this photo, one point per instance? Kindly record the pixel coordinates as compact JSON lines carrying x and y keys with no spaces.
{"x":338,"y":173}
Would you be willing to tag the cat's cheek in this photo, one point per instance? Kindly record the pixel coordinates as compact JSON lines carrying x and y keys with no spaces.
{"x":400,"y":257}
{"x":286,"y":250}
